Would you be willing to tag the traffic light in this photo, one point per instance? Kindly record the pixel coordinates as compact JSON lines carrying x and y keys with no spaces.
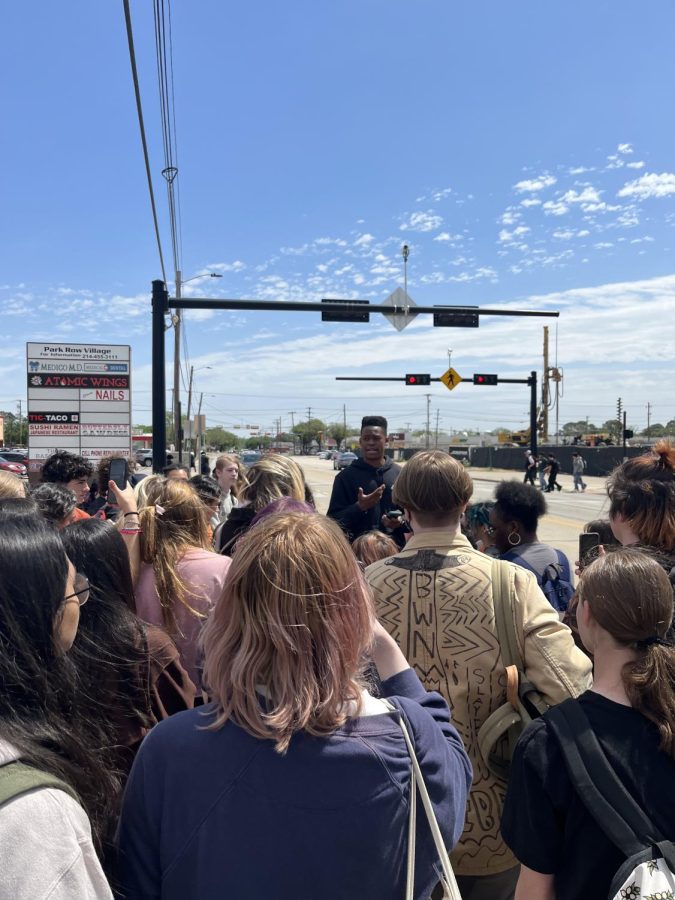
{"x":418,"y":379}
{"x":484,"y":379}
{"x":628,"y":433}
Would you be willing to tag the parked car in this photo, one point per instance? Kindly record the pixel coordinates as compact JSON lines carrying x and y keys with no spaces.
{"x":143,"y":456}
{"x":333,"y":454}
{"x":16,"y":468}
{"x":248,"y":457}
{"x":325,"y":454}
{"x":16,"y":454}
{"x":343,"y":460}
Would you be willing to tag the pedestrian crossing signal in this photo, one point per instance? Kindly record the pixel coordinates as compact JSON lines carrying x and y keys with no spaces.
{"x":484,"y":379}
{"x":418,"y":379}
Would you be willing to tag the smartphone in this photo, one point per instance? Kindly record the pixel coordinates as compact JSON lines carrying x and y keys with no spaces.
{"x":589,"y":542}
{"x":119,"y":473}
{"x":394,"y":513}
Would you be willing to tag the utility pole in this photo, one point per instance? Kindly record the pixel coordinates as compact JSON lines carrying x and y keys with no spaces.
{"x":649,"y":413}
{"x":619,"y":415}
{"x":20,"y":425}
{"x":545,"y":396}
{"x":200,"y":439}
{"x":623,"y":436}
{"x":292,"y":415}
{"x":438,"y":413}
{"x":176,"y":318}
{"x":189,"y":406}
{"x":428,"y":432}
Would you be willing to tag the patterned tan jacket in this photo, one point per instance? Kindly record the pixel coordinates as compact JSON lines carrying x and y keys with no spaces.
{"x":435,"y":599}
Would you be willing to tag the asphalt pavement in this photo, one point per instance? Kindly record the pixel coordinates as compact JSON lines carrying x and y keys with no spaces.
{"x":567,"y":510}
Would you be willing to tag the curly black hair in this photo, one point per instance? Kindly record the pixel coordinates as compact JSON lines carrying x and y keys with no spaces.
{"x":521,"y":502}
{"x":62,"y":467}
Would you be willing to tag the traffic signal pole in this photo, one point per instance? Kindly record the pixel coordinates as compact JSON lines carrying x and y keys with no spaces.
{"x":160,"y":308}
{"x":531,"y":381}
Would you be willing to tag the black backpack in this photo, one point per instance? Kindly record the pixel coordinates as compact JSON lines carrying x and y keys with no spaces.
{"x":649,"y":869}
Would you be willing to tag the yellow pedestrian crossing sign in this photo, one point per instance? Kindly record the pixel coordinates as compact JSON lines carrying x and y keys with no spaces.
{"x":451,"y":379}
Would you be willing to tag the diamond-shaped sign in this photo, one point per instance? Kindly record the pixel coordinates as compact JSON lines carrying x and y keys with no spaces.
{"x":400,"y":298}
{"x":451,"y":378}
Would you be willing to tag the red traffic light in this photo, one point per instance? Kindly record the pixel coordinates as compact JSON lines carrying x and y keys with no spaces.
{"x":418,"y":379}
{"x":484,"y":379}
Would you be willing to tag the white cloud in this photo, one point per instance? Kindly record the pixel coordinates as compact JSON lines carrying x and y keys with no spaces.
{"x":364,"y":240}
{"x":422,"y":221}
{"x":510,"y":217}
{"x":507,"y":237}
{"x":441,"y":195}
{"x":579,"y":170}
{"x":565,"y":234}
{"x":587,"y":195}
{"x":446,"y":237}
{"x":624,"y":148}
{"x":555,"y":208}
{"x":649,"y":185}
{"x":603,"y":245}
{"x":235,"y":266}
{"x":530,"y":201}
{"x":635,"y":165}
{"x":535,"y":184}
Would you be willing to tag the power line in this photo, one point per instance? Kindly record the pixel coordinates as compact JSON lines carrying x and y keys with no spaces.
{"x":139,"y":110}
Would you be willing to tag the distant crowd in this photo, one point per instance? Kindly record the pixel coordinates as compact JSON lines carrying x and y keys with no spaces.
{"x":208,"y":689}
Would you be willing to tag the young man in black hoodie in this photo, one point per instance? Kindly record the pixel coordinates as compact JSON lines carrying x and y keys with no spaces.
{"x":361,"y":496}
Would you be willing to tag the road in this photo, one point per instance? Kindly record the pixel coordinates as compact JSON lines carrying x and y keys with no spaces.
{"x":567,"y":511}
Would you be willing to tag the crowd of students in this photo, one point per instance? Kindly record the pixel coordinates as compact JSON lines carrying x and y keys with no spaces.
{"x":209,"y":689}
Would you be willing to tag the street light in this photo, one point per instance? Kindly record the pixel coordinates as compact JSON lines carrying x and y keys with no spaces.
{"x":176,"y":319}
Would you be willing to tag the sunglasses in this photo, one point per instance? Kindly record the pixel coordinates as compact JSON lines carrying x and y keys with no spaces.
{"x":81,"y":585}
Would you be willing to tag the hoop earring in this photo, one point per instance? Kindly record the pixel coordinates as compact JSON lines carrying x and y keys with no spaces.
{"x":511,"y":541}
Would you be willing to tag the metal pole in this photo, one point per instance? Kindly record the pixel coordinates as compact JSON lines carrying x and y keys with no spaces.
{"x":189,"y":410}
{"x":623,"y":435}
{"x":159,"y":310}
{"x":428,"y":434}
{"x":176,"y":370}
{"x":545,"y":389}
{"x":438,"y":413}
{"x":533,"y":412}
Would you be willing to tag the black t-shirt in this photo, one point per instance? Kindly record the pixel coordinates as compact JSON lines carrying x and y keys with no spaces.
{"x":546,"y":824}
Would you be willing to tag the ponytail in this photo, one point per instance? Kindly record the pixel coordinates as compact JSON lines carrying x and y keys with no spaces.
{"x":630,"y":597}
{"x":650,"y":686}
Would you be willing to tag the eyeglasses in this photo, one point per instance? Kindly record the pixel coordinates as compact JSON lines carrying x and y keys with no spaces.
{"x":81,"y":592}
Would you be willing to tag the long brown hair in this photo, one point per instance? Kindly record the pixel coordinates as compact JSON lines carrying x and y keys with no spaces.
{"x":631,"y":597}
{"x":295,"y":618}
{"x":172,"y":522}
{"x":642,"y":490}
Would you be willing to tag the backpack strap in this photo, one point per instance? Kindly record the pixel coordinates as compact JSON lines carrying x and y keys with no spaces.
{"x":599,"y":788}
{"x":501,"y":600}
{"x":17,"y":778}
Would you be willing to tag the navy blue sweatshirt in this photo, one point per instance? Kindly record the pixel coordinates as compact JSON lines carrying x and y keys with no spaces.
{"x":213,"y":814}
{"x":343,"y":508}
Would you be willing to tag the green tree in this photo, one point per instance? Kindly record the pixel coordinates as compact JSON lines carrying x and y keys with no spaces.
{"x":16,"y":432}
{"x":656,"y":430}
{"x":221,"y":439}
{"x":337,"y":431}
{"x":307,"y":432}
{"x":580,"y":427}
{"x":262,"y":441}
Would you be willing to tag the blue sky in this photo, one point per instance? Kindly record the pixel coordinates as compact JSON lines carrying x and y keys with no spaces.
{"x":524,"y":151}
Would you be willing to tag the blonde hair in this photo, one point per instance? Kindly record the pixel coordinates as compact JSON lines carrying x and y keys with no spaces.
{"x":142,"y":488}
{"x":273,"y":477}
{"x":241,"y":481}
{"x":434,"y":486}
{"x":373,"y":546}
{"x":296,"y":618}
{"x":11,"y":487}
{"x":172,"y":522}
